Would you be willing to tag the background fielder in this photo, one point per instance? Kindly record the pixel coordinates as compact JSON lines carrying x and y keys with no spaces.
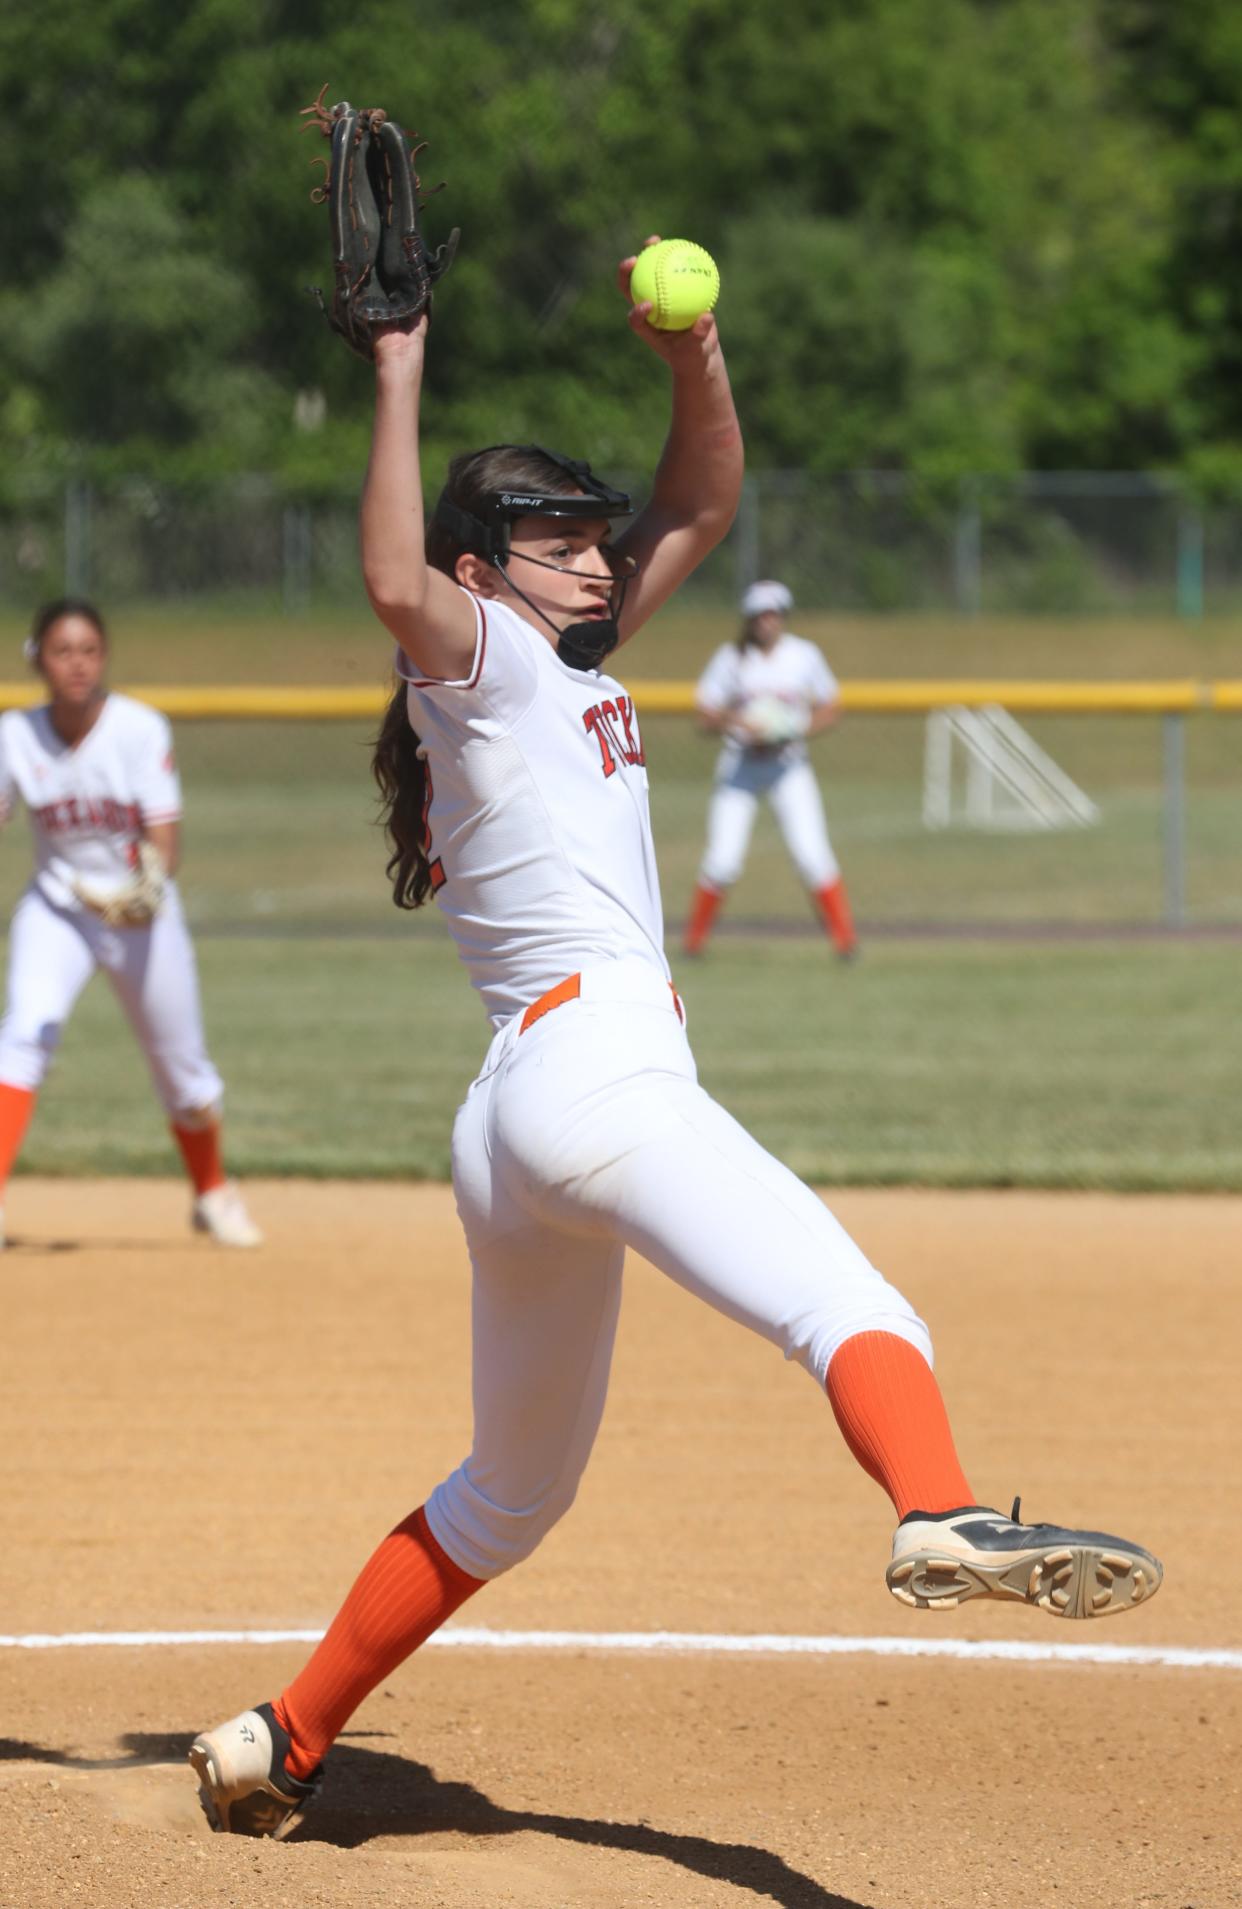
{"x":766,"y":694}
{"x":99,"y":781}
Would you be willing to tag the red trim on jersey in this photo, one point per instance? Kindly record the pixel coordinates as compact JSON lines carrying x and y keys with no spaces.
{"x":160,"y":815}
{"x":438,"y":682}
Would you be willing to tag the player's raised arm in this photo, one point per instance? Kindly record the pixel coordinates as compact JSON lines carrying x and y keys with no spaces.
{"x":384,"y":273}
{"x":699,"y":477}
{"x":426,"y":613}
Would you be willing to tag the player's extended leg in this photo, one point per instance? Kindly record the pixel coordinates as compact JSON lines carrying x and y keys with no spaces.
{"x":799,"y":809}
{"x":50,"y":963}
{"x":730,"y":819}
{"x":602,"y":1116}
{"x":155,"y":975}
{"x":544,"y":1319}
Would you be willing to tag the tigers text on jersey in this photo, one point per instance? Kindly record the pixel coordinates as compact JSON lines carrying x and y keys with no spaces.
{"x":539,"y":831}
{"x":793,"y":671}
{"x":89,"y":802}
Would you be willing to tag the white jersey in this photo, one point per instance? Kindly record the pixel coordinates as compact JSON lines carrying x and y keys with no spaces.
{"x":538,"y":821}
{"x":88,"y":803}
{"x":793,"y":671}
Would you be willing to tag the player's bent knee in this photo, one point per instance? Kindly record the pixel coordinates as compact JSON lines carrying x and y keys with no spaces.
{"x":815,"y":1348}
{"x":26,"y":1052}
{"x":486,"y":1538}
{"x":197,"y":1119}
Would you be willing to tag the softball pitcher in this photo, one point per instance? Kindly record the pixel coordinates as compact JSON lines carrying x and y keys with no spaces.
{"x":514,"y":771}
{"x":96,"y":773}
{"x":766,"y":694}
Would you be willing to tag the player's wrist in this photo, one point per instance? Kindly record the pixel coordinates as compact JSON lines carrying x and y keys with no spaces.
{"x":399,"y":360}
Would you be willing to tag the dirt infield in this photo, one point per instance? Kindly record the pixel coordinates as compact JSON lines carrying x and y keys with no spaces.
{"x":193,"y":1440}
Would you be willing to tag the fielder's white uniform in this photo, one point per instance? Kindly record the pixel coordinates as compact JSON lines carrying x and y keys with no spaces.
{"x":793,"y":671}
{"x":88,"y":806}
{"x":586,"y":1130}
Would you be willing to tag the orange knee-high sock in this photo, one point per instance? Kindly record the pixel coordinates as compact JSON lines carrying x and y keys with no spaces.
{"x":406,"y":1590}
{"x":833,"y":905}
{"x":892,"y":1417}
{"x":704,"y":907}
{"x":203,"y":1155}
{"x":16,"y":1107}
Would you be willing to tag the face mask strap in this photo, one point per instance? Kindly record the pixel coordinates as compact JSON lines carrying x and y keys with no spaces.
{"x":582,"y":645}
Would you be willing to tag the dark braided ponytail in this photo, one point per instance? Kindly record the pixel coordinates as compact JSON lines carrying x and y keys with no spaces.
{"x":396,"y":762}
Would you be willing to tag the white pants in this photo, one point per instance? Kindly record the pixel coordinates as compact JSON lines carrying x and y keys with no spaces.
{"x":794,"y":795}
{"x":587,"y":1134}
{"x":53,"y":952}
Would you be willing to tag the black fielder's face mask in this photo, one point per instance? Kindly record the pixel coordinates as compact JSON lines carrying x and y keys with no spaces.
{"x":486,"y":531}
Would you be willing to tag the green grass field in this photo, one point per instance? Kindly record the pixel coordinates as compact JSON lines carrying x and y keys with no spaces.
{"x":280,"y":834}
{"x":966,"y":1064}
{"x":347,"y":1033}
{"x":278,"y":814}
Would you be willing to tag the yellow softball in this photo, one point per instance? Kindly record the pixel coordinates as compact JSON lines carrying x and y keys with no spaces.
{"x":680,"y":279}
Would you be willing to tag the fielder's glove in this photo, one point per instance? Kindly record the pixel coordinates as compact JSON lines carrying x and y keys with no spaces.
{"x":383,"y":269}
{"x":770,"y":720}
{"x":138,"y":902}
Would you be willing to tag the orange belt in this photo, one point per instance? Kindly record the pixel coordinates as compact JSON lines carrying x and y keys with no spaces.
{"x":569,"y":990}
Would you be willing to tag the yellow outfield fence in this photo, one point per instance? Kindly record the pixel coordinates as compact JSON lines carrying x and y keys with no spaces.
{"x":1112,"y":775}
{"x":324,"y":702}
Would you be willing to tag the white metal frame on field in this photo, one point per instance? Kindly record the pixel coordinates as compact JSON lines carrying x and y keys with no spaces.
{"x":1008,"y":781}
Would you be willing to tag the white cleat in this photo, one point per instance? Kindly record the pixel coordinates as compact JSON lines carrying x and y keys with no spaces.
{"x":222,"y":1213}
{"x":940,"y":1560}
{"x":244,"y":1787}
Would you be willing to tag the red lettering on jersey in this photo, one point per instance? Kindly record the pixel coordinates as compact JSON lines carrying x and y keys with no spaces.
{"x":634,"y":750}
{"x":595,"y":723}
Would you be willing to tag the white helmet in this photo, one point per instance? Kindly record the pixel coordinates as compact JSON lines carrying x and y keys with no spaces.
{"x":761,"y":597}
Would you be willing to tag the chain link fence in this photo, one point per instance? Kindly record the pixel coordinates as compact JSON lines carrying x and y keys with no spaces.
{"x":1051,"y":543}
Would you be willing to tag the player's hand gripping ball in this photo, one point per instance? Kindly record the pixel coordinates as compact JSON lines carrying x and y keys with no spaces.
{"x":680,"y":279}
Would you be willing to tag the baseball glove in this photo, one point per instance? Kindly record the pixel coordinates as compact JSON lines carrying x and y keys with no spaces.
{"x":770,"y":720}
{"x":383,"y":269}
{"x":136,"y":903}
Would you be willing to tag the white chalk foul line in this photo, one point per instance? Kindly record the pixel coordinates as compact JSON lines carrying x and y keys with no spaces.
{"x":670,"y":1643}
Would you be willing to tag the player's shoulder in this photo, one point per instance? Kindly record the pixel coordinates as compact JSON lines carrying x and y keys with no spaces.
{"x":808,"y":654}
{"x":130,"y":717}
{"x":18,"y":726}
{"x":725,"y":658}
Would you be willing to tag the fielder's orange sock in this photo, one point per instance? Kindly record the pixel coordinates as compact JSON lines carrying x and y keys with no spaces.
{"x":704,"y":907}
{"x":892,"y":1417}
{"x":406,"y":1590}
{"x":833,"y":905}
{"x":16,"y":1107}
{"x":202,"y":1152}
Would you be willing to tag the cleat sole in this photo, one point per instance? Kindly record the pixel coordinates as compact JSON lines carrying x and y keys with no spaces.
{"x":1076,"y":1581}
